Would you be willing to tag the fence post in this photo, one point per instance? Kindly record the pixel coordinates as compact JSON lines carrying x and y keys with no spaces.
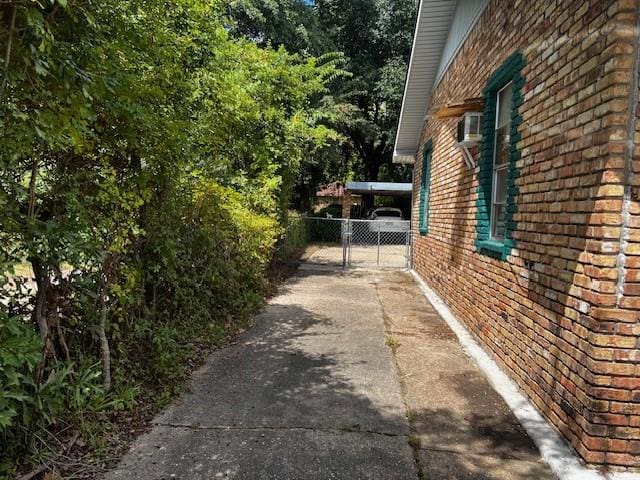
{"x":378,"y":259}
{"x":350,"y":223}
{"x":344,"y":226}
{"x":408,"y":249}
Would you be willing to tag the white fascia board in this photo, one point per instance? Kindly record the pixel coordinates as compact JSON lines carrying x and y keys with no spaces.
{"x":431,"y":32}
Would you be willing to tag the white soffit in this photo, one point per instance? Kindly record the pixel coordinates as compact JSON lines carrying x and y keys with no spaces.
{"x":432,"y":29}
{"x":467,"y":14}
{"x":441,"y":29}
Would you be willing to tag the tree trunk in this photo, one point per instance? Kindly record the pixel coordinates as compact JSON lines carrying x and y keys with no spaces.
{"x":40,"y":272}
{"x":38,"y":315}
{"x":372,"y":170}
{"x":105,"y":351}
{"x":7,"y":53}
{"x":103,"y":306}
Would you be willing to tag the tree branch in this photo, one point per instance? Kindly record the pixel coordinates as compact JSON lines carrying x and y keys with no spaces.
{"x":103,"y":302}
{"x":7,"y":54}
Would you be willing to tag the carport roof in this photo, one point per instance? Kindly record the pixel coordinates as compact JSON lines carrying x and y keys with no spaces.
{"x":380,"y":188}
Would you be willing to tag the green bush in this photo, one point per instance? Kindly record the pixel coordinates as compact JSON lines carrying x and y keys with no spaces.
{"x":294,"y":238}
{"x":20,"y":355}
{"x":324,"y":230}
{"x":32,"y":400}
{"x":217,"y":266}
{"x":204,"y":286}
{"x":147,"y":160}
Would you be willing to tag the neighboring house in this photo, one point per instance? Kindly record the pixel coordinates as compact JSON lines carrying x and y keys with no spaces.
{"x":327,"y":195}
{"x":334,"y":190}
{"x":536,"y":248}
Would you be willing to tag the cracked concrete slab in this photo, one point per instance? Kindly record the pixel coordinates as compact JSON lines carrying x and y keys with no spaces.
{"x":455,"y":466}
{"x":312,"y":392}
{"x":309,"y":392}
{"x":465,"y":430}
{"x":184,"y":453}
{"x":314,"y":359}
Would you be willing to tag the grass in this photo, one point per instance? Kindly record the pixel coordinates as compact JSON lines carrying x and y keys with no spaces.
{"x":392,"y":342}
{"x":23,"y":270}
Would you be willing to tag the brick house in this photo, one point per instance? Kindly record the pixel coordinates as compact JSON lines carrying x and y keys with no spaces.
{"x":533,"y":239}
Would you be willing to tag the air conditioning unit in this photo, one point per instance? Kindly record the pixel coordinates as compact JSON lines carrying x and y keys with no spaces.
{"x":469,"y":129}
{"x":468,"y":135}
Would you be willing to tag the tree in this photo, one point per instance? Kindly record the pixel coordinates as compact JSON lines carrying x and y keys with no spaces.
{"x":375,"y":36}
{"x":146,"y":165}
{"x":293,"y":24}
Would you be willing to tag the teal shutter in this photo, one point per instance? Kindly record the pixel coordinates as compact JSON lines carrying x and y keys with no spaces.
{"x":425,"y":187}
{"x":509,"y":71}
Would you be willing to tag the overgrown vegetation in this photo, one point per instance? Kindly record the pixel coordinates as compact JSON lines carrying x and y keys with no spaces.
{"x":147,"y":162}
{"x":294,"y":240}
{"x":375,"y":37}
{"x":150,"y":152}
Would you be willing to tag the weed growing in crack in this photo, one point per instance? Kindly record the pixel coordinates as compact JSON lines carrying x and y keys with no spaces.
{"x":392,"y":342}
{"x":411,"y":415}
{"x":414,"y":441}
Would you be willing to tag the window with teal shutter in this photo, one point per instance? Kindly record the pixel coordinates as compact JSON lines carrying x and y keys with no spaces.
{"x":425,"y":185}
{"x":497,"y":190}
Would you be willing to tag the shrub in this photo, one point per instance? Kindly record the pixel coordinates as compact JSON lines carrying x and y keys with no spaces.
{"x":293,"y":239}
{"x":143,"y":194}
{"x":20,"y":355}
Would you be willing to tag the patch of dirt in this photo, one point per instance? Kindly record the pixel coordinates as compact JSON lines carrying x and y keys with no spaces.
{"x":441,"y":331}
{"x":436,"y":332}
{"x":395,"y":289}
{"x":278,"y":273}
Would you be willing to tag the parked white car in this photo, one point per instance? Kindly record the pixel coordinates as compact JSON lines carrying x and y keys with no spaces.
{"x":390,"y":220}
{"x":386,"y":213}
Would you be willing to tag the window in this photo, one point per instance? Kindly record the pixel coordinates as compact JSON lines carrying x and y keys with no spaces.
{"x":501,"y":162}
{"x":425,"y":185}
{"x":497,"y":175}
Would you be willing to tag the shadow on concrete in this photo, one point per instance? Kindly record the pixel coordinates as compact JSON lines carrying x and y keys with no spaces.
{"x":302,"y":395}
{"x":489,"y":428}
{"x":312,"y":392}
{"x":465,"y":428}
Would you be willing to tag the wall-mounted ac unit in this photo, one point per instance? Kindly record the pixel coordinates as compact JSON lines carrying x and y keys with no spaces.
{"x":469,"y":129}
{"x":468,"y":135}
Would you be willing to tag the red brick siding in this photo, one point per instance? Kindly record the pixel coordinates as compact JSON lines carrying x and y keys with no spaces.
{"x":553,"y":314}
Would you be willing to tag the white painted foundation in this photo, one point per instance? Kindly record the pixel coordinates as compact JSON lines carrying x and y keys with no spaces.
{"x":563,"y":461}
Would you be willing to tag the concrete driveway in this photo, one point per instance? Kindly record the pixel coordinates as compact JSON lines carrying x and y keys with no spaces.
{"x":345,"y":375}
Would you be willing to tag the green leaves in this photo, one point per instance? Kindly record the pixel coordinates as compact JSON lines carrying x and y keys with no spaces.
{"x":147,"y":157}
{"x":20,"y":353}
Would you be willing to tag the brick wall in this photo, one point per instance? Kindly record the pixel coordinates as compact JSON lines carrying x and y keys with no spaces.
{"x":561,"y":314}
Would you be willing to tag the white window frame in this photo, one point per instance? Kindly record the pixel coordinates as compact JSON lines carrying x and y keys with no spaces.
{"x":497,"y":169}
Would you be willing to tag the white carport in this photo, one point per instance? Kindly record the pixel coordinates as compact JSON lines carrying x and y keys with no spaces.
{"x":386,"y":189}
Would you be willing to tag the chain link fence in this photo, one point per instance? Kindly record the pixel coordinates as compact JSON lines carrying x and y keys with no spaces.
{"x":347,"y":242}
{"x":381,"y":243}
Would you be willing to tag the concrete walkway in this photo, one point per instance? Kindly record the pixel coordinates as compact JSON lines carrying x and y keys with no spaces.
{"x":344,"y":376}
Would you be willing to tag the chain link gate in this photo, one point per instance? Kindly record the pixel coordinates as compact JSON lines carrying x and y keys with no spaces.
{"x":358,"y":243}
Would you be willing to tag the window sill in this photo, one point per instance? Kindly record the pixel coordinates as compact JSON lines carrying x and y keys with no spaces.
{"x":493,"y":248}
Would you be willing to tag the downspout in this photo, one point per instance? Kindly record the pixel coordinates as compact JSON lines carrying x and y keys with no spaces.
{"x":627,"y":198}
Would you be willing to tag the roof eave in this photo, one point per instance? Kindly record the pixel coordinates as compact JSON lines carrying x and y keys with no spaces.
{"x":404,"y":158}
{"x":430,"y":35}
